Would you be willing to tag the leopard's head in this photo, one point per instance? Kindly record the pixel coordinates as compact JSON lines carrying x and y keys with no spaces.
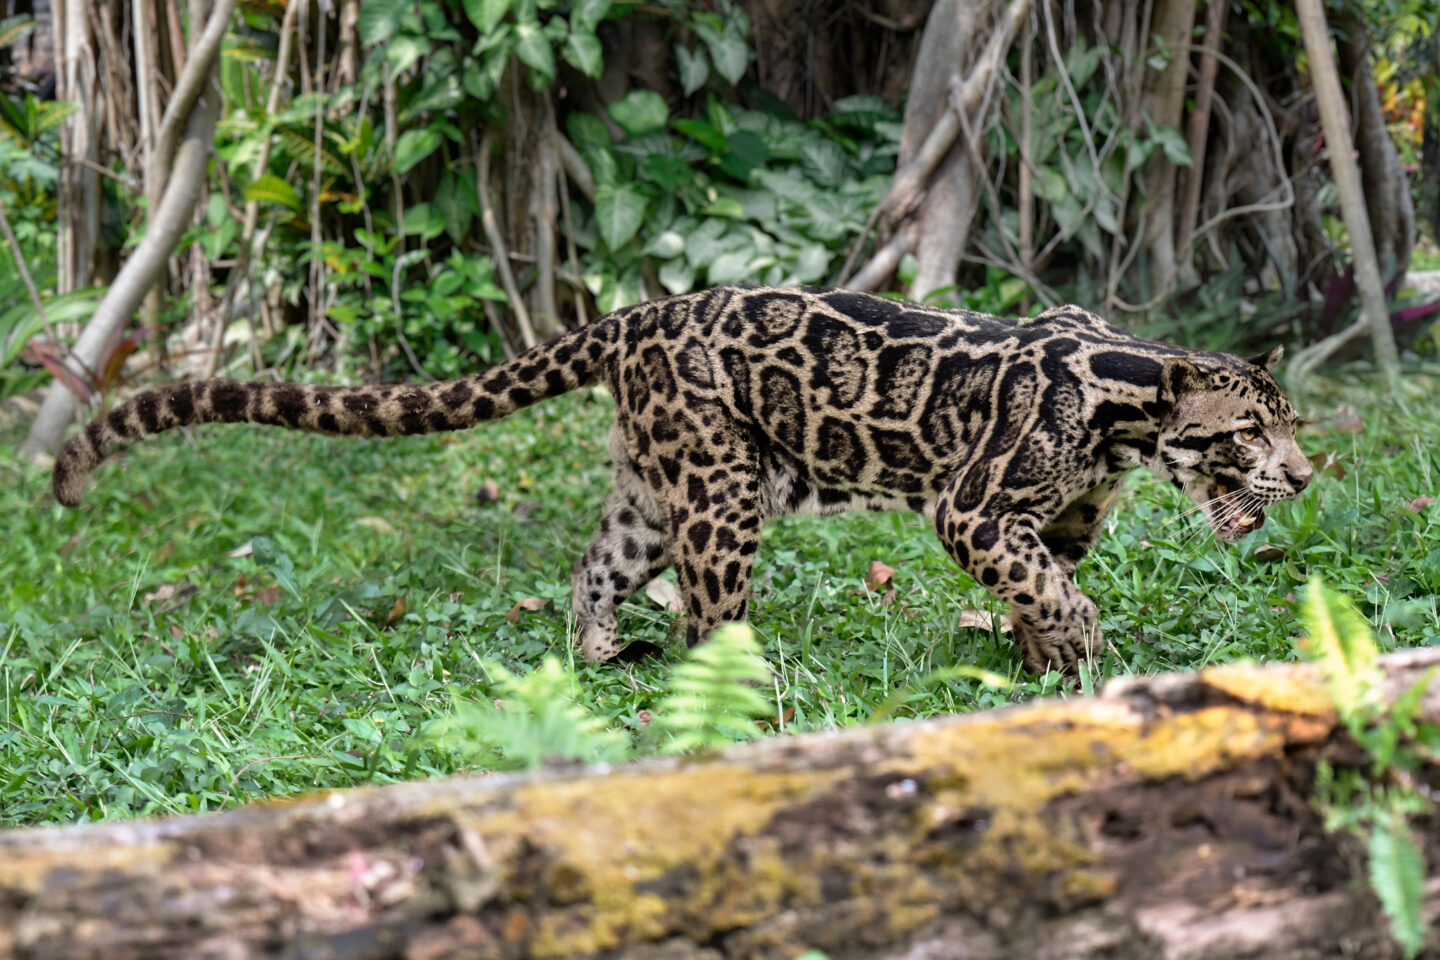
{"x":1228,"y":439}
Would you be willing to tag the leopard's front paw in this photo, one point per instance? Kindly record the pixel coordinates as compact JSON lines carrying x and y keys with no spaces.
{"x":1062,"y":642}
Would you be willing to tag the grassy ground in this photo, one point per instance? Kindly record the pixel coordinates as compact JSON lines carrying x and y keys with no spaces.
{"x":151,"y":662}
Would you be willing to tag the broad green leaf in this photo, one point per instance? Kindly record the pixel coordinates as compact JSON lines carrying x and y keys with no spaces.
{"x":727,"y":207}
{"x":862,"y":110}
{"x":619,"y":212}
{"x":1050,"y":184}
{"x":592,"y":140}
{"x":1081,"y":61}
{"x":640,"y":112}
{"x":21,"y":322}
{"x":481,"y":81}
{"x":824,"y":160}
{"x":452,"y":208}
{"x":694,"y":68}
{"x":582,"y":51}
{"x":1397,"y":874}
{"x":728,"y":50}
{"x":404,"y":51}
{"x":414,"y":146}
{"x":423,"y":220}
{"x":668,"y":244}
{"x":677,"y":276}
{"x":1340,"y":640}
{"x":909,"y":268}
{"x":586,"y":15}
{"x":708,"y":241}
{"x":441,"y":94}
{"x":731,"y":267}
{"x":379,"y":20}
{"x":216,"y":211}
{"x":274,"y":190}
{"x":747,"y":151}
{"x":1069,"y":214}
{"x":486,"y":14}
{"x":1172,"y":141}
{"x":810,"y":264}
{"x":533,"y":49}
{"x":704,"y":134}
{"x":667,"y":172}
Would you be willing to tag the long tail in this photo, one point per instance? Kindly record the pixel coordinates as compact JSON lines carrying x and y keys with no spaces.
{"x":547,"y":370}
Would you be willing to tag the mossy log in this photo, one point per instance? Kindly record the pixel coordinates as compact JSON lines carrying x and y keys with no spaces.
{"x":1167,"y":818}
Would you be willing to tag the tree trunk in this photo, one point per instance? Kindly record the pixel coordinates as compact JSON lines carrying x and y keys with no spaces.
{"x":932,"y":166}
{"x":1168,"y":818}
{"x":1197,"y":137}
{"x":79,"y":190}
{"x":947,"y":50}
{"x":1387,"y":190}
{"x":1164,"y":100}
{"x":1430,"y":145}
{"x":1328,"y":97}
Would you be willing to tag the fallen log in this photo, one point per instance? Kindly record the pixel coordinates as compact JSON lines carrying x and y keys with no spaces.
{"x":1167,"y":818}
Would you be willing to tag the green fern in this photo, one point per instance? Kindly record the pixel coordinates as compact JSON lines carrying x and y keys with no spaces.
{"x":1397,"y":874}
{"x":1340,"y":641}
{"x":1374,"y":807}
{"x":537,"y":721}
{"x":712,"y":700}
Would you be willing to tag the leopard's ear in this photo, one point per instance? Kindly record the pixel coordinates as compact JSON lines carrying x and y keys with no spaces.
{"x":1178,"y":377}
{"x":1267,"y":361}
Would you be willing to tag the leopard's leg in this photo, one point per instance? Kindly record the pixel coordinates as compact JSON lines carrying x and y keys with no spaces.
{"x":715,"y":519}
{"x":1054,"y":623}
{"x":1071,"y":535}
{"x":631,"y":548}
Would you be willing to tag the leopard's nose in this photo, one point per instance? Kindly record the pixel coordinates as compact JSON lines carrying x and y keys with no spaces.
{"x":1300,"y":477}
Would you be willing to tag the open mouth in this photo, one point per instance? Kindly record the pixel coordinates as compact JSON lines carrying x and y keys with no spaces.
{"x":1231,"y":512}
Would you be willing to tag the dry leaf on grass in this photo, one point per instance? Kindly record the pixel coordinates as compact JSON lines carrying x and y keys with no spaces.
{"x":983,"y":620}
{"x":529,"y":603}
{"x":397,"y":611}
{"x":1268,"y":553}
{"x":878,"y":575}
{"x":666,"y":594}
{"x":1328,"y":462}
{"x":1419,"y":505}
{"x":169,"y":596}
{"x":269,"y":596}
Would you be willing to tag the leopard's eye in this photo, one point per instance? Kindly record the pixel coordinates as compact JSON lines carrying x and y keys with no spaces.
{"x":1247,"y":435}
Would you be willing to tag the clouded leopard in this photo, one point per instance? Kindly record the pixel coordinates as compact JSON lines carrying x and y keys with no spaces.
{"x":734,"y":405}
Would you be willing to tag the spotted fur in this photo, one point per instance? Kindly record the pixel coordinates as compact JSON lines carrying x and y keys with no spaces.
{"x":736,"y":405}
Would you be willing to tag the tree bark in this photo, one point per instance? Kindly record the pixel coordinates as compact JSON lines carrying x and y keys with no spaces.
{"x":1164,"y":101}
{"x":929,"y":166}
{"x":1387,"y":190}
{"x":1430,"y":143}
{"x":79,"y":189}
{"x":1198,"y":137}
{"x":1328,"y":97}
{"x":1168,"y":818}
{"x":168,"y":220}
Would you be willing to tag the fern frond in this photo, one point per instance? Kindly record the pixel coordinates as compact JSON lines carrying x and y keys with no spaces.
{"x":712,"y":700}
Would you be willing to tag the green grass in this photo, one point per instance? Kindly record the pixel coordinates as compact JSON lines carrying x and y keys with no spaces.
{"x":277,"y":672}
